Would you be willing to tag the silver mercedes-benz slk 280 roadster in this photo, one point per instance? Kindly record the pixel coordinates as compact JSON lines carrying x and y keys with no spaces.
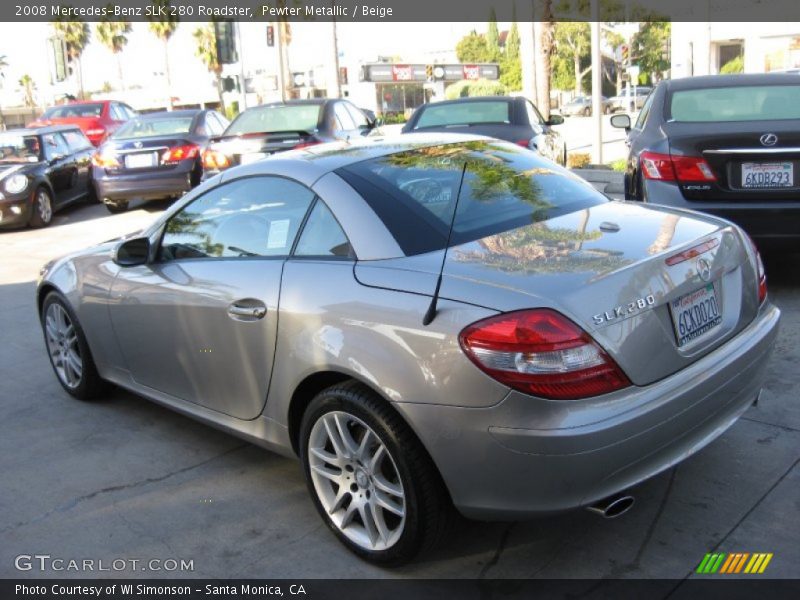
{"x":427,"y":323}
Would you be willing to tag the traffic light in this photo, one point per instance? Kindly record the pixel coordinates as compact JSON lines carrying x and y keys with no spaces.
{"x":226,"y":42}
{"x":270,"y":36}
{"x":230,"y":83}
{"x":429,"y":72}
{"x":625,"y":52}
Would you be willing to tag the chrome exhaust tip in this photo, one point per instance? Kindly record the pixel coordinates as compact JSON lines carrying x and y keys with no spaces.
{"x":613,"y":506}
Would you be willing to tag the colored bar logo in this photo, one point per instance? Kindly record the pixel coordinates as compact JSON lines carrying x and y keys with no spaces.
{"x":735,"y":562}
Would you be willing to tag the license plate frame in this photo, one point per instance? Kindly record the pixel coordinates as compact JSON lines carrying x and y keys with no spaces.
{"x":141,"y":160}
{"x":696,"y":314}
{"x":778,"y":175}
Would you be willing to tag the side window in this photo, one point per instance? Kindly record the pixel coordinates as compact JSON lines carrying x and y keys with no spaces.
{"x":359,"y":118}
{"x":254,"y":216}
{"x":344,"y":118}
{"x":643,"y":114}
{"x":76,"y":141}
{"x":534,"y":118}
{"x":322,"y":235}
{"x":116,"y":113}
{"x":54,"y":146}
{"x":129,"y":112}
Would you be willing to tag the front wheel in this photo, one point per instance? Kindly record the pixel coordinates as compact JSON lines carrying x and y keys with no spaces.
{"x":42,"y":209}
{"x":370,"y":478}
{"x":117,"y":207}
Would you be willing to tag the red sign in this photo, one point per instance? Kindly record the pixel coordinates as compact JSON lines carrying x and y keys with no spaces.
{"x":402,"y":73}
{"x":472,"y":72}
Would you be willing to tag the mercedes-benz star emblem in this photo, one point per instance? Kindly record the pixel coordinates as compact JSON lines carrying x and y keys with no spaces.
{"x":704,"y":269}
{"x":769,"y":139}
{"x":137,"y":144}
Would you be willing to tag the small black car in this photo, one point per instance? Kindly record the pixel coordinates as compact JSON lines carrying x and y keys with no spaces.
{"x":157,"y":155}
{"x":278,"y":126}
{"x":728,"y":145}
{"x":41,"y":171}
{"x":514,"y":120}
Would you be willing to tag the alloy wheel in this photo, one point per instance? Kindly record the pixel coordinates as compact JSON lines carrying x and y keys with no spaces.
{"x":62,"y":344}
{"x":356,"y":480}
{"x":44,"y":206}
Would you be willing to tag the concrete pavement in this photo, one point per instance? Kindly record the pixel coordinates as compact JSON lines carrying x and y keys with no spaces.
{"x":124,"y":478}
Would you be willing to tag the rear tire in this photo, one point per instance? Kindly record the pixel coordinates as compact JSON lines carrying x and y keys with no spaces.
{"x":42,"y":208}
{"x":370,"y":478}
{"x":117,"y":207}
{"x":587,"y":112}
{"x":68,"y":350}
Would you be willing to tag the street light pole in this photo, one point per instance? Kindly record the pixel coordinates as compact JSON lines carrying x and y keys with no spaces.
{"x":597,"y":67}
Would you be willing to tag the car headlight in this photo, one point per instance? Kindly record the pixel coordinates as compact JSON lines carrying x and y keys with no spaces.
{"x":16,"y":183}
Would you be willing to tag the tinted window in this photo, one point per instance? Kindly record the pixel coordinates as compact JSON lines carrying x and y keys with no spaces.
{"x":504,"y":187}
{"x":143,"y":127}
{"x":293,"y":117}
{"x":73,"y":110}
{"x":129,"y":112}
{"x":344,"y":118}
{"x":213,"y":126}
{"x":19,"y":148}
{"x":322,"y":235}
{"x":644,"y":113}
{"x":438,"y":115}
{"x":117,"y":113}
{"x":76,"y":141}
{"x":741,"y":103}
{"x":54,"y":146}
{"x":256,"y":216}
{"x":359,"y":118}
{"x":534,"y":118}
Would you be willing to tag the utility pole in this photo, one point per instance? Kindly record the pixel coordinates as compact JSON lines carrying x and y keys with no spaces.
{"x":282,"y":75}
{"x":335,"y":87}
{"x":597,"y":78}
{"x":242,"y":86}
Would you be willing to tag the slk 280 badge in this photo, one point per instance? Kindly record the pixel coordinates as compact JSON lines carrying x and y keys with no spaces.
{"x":624,"y":311}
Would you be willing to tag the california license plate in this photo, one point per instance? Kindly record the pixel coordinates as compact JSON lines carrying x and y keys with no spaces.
{"x":695,"y":314}
{"x":141,"y":161}
{"x":767,"y":175}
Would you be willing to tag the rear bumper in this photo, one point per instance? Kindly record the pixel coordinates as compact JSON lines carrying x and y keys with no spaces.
{"x":144,"y":186}
{"x":526,"y":456}
{"x":764,"y":220}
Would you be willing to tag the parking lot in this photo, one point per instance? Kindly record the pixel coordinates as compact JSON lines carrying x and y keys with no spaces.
{"x":124,"y":478}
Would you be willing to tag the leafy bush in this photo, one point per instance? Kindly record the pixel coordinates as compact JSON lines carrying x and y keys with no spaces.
{"x":578,"y":160}
{"x":479,"y":87}
{"x":618,"y":165}
{"x":393,"y":118}
{"x":735,"y":65}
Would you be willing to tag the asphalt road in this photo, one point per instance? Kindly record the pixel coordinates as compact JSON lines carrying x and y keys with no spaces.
{"x":125,"y":479}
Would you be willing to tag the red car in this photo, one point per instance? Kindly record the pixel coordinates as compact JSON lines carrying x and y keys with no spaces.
{"x":97,"y":119}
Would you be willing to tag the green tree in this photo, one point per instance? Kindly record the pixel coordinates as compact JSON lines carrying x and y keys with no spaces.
{"x":114,"y":36}
{"x":76,"y":36}
{"x":163,"y":26}
{"x":573,"y":43}
{"x":28,"y":86}
{"x":473,"y":48}
{"x":3,"y":67}
{"x":493,"y":38}
{"x":650,"y":49}
{"x":206,"y":51}
{"x":511,"y":63}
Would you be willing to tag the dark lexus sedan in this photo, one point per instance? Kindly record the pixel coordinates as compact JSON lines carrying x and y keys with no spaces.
{"x":264,"y":130}
{"x":41,"y":171}
{"x":728,"y":145}
{"x":513,"y":119}
{"x":154,"y":156}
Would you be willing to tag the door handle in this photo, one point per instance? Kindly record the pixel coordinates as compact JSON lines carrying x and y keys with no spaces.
{"x":250,"y":312}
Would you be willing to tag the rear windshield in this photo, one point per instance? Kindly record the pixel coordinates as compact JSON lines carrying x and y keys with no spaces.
{"x":740,"y":103}
{"x":442,"y":115}
{"x":272,"y":119}
{"x":73,"y":110}
{"x":139,"y":128}
{"x":503,"y":187}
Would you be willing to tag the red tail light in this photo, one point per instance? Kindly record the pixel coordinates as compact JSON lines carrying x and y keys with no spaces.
{"x":669,"y":167}
{"x":305,"y":144}
{"x":212,"y":159}
{"x":760,"y":273}
{"x":523,"y":143}
{"x":105,"y":161}
{"x":95,"y":133}
{"x":179,"y":153}
{"x":541,"y":352}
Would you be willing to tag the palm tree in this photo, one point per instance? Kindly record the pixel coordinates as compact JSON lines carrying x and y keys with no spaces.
{"x":206,"y":51}
{"x":113,"y":35}
{"x":3,"y":67}
{"x":163,"y":26}
{"x":28,"y":87}
{"x":76,"y":36}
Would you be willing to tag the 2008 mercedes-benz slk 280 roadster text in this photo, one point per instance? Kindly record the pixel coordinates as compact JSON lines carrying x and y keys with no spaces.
{"x":427,"y":322}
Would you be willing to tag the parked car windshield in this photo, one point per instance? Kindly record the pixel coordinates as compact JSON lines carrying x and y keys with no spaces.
{"x":736,"y":103}
{"x":442,"y":115}
{"x":19,"y":148}
{"x":139,"y":128}
{"x":504,"y":187}
{"x":73,"y":110}
{"x":264,"y":119}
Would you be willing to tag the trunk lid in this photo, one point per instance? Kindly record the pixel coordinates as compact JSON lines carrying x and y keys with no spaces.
{"x":144,"y":155}
{"x":605,"y":268}
{"x":734,"y":150}
{"x":242,"y":149}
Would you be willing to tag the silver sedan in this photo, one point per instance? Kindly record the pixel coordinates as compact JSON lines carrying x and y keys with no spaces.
{"x":428,"y":323}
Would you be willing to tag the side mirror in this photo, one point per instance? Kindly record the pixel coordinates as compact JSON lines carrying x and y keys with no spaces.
{"x":621,"y":122}
{"x":132,"y":252}
{"x":555,"y":120}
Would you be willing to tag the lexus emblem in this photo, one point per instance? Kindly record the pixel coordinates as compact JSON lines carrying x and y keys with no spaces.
{"x":769,"y":139}
{"x":704,"y":269}
{"x":139,"y":144}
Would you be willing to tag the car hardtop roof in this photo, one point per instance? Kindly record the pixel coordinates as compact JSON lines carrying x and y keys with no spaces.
{"x":166,"y":114}
{"x":735,"y":80}
{"x":43,"y":129}
{"x":306,"y":102}
{"x":472,"y":99}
